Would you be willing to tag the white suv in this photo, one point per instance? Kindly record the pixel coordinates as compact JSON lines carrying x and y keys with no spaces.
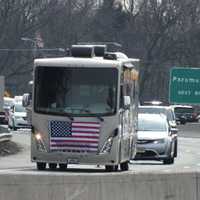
{"x":17,"y":117}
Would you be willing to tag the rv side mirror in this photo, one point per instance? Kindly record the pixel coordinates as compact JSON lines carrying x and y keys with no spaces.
{"x":26,"y":100}
{"x":127,"y":102}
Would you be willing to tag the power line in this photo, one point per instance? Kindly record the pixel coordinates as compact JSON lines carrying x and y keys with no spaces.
{"x":54,"y":49}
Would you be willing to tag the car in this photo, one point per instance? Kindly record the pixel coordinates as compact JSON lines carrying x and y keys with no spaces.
{"x":169,"y":113}
{"x":155,"y":140}
{"x":17,"y":117}
{"x":2,"y":117}
{"x":18,"y":99}
{"x":185,"y":113}
{"x":153,"y":102}
{"x":8,"y":102}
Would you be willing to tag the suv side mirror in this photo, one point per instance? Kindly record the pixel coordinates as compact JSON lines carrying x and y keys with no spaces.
{"x":174,"y":131}
{"x":127,"y":102}
{"x":26,"y":100}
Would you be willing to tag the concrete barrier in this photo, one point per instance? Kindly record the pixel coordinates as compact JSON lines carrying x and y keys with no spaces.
{"x":27,"y":185}
{"x":3,"y":129}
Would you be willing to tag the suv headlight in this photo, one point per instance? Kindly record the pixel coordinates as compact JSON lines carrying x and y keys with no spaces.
{"x":159,"y":141}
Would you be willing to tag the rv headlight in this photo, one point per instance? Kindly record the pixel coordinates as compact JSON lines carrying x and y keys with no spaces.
{"x":107,"y":145}
{"x":40,"y":143}
{"x":38,"y":136}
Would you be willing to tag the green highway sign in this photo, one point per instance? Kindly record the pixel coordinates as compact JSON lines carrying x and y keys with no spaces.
{"x":184,"y":85}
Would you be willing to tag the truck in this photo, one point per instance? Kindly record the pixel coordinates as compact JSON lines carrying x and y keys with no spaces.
{"x":84,"y":109}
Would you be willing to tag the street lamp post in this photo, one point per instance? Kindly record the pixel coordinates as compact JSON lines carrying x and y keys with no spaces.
{"x":34,"y":42}
{"x":38,"y":46}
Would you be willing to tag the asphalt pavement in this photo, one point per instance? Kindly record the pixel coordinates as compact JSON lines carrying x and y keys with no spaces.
{"x":188,"y":155}
{"x":189,"y":130}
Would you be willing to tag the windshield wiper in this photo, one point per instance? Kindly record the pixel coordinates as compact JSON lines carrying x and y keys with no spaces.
{"x":66,"y":114}
{"x":97,"y":116}
{"x":69,"y":116}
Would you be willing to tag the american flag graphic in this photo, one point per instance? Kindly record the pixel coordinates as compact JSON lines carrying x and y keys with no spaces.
{"x":74,"y":136}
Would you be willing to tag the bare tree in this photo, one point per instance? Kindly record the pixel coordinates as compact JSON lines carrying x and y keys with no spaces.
{"x":19,"y":18}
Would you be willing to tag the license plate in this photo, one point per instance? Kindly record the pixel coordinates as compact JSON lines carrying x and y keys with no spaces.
{"x":72,"y":161}
{"x":140,"y":150}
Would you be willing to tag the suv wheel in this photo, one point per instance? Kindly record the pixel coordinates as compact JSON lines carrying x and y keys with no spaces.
{"x":175,"y":148}
{"x":168,"y":161}
{"x":124,"y":166}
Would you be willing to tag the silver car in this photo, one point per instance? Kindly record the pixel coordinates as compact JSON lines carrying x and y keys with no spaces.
{"x":155,"y":140}
{"x":169,"y":112}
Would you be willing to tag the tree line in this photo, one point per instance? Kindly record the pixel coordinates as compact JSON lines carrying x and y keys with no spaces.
{"x":162,"y":33}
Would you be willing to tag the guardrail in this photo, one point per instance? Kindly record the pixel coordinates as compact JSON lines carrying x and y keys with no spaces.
{"x":4,"y":134}
{"x":5,"y":137}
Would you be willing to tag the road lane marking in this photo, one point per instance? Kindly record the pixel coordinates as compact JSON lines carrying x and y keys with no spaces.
{"x":186,"y":167}
{"x":166,"y":170}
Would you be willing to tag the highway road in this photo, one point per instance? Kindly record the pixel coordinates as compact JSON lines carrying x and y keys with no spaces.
{"x":188,"y":155}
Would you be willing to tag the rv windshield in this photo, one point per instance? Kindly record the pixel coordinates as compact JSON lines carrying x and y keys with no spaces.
{"x":75,"y":91}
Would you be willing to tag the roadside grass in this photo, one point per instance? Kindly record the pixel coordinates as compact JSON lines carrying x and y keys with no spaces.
{"x":9,"y":148}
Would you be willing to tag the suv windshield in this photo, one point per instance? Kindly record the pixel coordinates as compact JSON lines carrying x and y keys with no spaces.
{"x":151,"y":125}
{"x":158,"y":110}
{"x":76,"y":91}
